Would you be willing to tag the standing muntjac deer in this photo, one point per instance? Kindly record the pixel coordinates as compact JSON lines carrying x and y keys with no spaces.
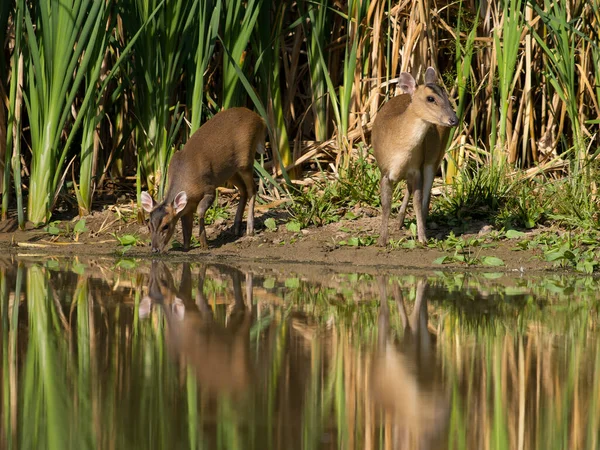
{"x":408,"y":138}
{"x":222,"y":150}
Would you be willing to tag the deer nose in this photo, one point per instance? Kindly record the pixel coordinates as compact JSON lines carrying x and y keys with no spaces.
{"x":453,"y":121}
{"x":155,"y":250}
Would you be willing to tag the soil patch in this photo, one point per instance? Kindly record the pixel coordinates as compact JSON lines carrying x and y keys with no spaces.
{"x":332,"y":245}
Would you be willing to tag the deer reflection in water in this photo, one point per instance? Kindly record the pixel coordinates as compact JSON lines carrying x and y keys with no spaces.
{"x":407,"y":377}
{"x":218,"y":355}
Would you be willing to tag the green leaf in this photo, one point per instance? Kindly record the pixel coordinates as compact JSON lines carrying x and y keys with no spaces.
{"x":293,"y":226}
{"x":80,"y":227}
{"x":442,"y":260}
{"x":127,"y":239}
{"x":127,"y":264}
{"x":78,"y":268}
{"x":52,"y":264}
{"x":51,"y":229}
{"x":269,"y":283}
{"x":354,"y":241}
{"x":271,"y":224}
{"x":292,"y":283}
{"x":491,"y":261}
{"x":413,"y":229}
{"x":514,"y":234}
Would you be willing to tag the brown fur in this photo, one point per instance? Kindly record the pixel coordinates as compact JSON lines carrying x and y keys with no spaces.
{"x":409,"y":136}
{"x":220,"y":151}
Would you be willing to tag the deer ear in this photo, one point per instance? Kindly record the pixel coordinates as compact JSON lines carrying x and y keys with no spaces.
{"x":147,"y":202}
{"x":430,"y":76}
{"x":180,"y":202}
{"x":407,"y":83}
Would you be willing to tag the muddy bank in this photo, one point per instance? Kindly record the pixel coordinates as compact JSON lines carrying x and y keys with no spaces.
{"x":333,"y":246}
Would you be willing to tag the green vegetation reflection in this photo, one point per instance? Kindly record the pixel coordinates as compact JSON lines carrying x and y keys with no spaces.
{"x":214,"y":357}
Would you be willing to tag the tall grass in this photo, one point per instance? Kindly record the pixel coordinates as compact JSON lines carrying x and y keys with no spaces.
{"x":320,"y":71}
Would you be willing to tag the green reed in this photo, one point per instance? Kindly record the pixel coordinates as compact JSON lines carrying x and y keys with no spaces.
{"x":239,"y":23}
{"x":155,"y":71}
{"x":61,"y":38}
{"x":560,"y":43}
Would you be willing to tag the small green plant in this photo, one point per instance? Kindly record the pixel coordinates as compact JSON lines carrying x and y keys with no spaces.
{"x":466,"y":251}
{"x":54,"y":229}
{"x":270,"y":224}
{"x":127,"y":241}
{"x":356,"y":241}
{"x":216,"y":212}
{"x":293,"y":226}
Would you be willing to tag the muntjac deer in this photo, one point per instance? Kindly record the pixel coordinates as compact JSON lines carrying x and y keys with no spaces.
{"x":408,"y":137}
{"x":222,"y":150}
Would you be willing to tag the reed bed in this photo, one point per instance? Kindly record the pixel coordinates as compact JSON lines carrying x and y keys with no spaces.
{"x":112,"y":88}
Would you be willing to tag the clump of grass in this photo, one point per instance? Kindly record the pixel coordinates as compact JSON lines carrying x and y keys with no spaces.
{"x":573,"y":203}
{"x":477,"y":193}
{"x":329,"y":200}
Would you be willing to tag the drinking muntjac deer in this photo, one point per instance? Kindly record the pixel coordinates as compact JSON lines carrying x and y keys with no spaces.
{"x":222,"y":150}
{"x":408,"y":138}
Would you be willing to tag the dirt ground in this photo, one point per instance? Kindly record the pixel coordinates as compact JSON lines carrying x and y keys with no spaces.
{"x":311,"y":246}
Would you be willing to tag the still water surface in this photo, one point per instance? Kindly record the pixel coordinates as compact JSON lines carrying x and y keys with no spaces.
{"x":136,"y":355}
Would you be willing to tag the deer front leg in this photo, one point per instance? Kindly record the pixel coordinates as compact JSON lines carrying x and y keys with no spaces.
{"x":386,"y":188}
{"x":417,"y":185}
{"x":203,"y":206}
{"x":187,"y":222}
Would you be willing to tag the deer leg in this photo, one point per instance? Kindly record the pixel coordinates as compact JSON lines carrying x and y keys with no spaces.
{"x":239,"y":183}
{"x":203,"y":206}
{"x":428,"y":175}
{"x":386,"y":187}
{"x":248,"y":177}
{"x":402,"y":212}
{"x":187,"y":222}
{"x":417,"y":185}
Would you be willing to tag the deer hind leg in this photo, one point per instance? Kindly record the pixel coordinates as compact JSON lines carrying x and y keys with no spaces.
{"x":239,"y":183}
{"x":428,"y":175}
{"x":248,"y":177}
{"x":402,"y":212}
{"x":415,"y":182}
{"x":386,"y":188}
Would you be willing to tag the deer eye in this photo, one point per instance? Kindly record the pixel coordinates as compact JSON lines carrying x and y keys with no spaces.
{"x":430,"y":99}
{"x":164,"y":228}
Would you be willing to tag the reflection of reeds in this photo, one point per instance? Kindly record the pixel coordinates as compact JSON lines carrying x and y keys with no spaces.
{"x":511,"y":376}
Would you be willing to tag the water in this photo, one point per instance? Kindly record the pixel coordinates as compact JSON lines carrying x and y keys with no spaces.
{"x":131,"y":355}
